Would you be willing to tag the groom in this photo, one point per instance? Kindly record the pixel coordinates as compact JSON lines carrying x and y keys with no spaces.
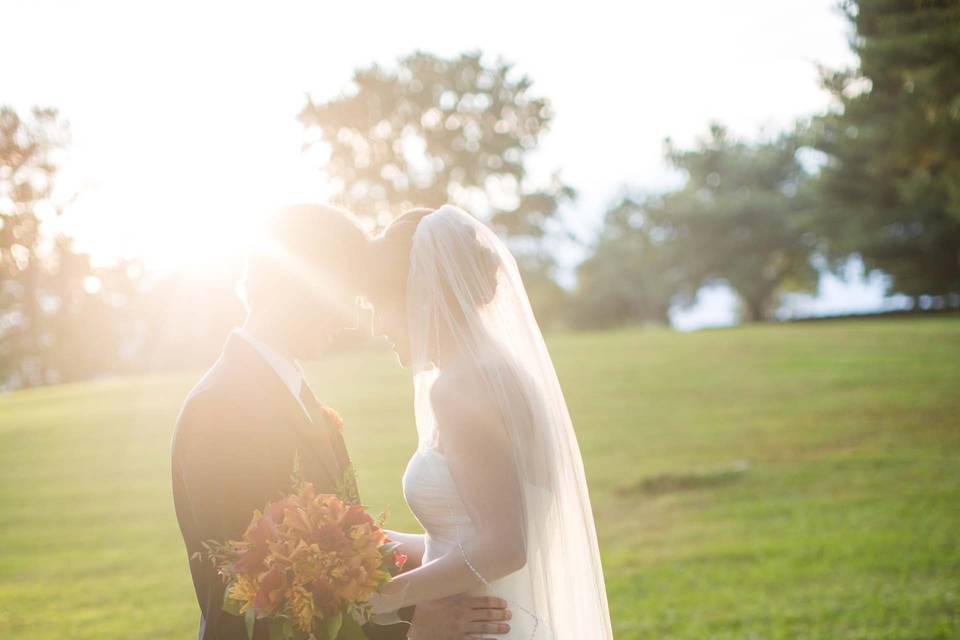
{"x":241,"y":426}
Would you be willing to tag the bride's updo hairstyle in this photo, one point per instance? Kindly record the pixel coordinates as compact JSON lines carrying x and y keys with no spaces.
{"x":391,"y":256}
{"x":393,"y":247}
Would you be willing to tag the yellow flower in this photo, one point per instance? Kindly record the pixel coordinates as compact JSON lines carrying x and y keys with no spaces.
{"x":315,"y":554}
{"x":300,"y":608}
{"x":244,"y":590}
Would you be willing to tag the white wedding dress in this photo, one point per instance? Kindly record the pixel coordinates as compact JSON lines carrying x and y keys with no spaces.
{"x":432,"y":496}
{"x":521,"y":476}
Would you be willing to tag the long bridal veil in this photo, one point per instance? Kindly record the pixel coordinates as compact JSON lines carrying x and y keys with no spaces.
{"x":464,"y":286}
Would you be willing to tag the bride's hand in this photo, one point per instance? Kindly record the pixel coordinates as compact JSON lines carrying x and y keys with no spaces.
{"x":460,"y":617}
{"x":411,"y":545}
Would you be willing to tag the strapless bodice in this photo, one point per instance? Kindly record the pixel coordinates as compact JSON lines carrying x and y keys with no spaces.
{"x":431,"y":493}
{"x":432,"y":496}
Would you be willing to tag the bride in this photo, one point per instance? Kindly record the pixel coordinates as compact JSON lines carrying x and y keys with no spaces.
{"x":497,"y":480}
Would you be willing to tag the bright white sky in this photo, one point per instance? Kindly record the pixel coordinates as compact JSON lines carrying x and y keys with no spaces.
{"x":183,"y":113}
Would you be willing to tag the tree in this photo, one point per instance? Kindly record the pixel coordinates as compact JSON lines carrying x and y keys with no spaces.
{"x":892,"y":181}
{"x":433,"y":130}
{"x":88,"y":325}
{"x":633,"y":274}
{"x":27,"y":170}
{"x":743,"y":217}
{"x":62,"y":318}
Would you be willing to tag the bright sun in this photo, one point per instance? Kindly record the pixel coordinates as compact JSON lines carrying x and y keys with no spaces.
{"x":196,"y":225}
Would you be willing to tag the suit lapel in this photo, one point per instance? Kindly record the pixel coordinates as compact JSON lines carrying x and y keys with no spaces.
{"x":323,"y":420}
{"x":312,"y":435}
{"x":313,"y":438}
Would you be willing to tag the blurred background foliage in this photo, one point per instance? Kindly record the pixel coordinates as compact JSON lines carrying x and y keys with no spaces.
{"x":876,"y":177}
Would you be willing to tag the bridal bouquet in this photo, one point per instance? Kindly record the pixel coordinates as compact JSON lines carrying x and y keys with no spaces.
{"x":308,"y":563}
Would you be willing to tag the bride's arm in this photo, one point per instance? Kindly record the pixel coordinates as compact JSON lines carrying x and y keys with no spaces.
{"x":412,"y":545}
{"x":478,"y":451}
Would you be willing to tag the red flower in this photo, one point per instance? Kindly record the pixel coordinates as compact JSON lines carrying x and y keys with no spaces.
{"x":262,"y":530}
{"x":250,"y":559}
{"x":258,"y":536}
{"x":274,"y":511}
{"x":328,"y":537}
{"x":324,"y":595}
{"x":306,"y":556}
{"x":355,"y":516}
{"x":270,"y":594}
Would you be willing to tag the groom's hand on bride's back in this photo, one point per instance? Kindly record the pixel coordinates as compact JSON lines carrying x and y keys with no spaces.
{"x":459,"y":618}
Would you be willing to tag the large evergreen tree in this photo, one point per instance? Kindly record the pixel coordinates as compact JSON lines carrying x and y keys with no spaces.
{"x":892,"y":182}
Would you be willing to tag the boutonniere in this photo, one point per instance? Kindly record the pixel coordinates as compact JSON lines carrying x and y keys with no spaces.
{"x":334,"y":417}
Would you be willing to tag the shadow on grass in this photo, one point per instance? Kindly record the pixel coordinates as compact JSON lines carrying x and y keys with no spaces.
{"x":662,"y":483}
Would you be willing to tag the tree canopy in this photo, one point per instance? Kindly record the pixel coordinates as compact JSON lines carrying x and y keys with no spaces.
{"x":432,"y":130}
{"x":742,"y":217}
{"x":892,"y":183}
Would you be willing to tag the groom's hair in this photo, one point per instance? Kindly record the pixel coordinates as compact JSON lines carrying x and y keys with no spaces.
{"x":304,"y":246}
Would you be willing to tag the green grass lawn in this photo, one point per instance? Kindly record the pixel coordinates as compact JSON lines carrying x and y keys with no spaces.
{"x":783,"y":481}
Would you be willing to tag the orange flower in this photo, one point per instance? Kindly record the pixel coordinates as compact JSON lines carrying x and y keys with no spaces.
{"x":334,"y":417}
{"x":329,"y":537}
{"x":308,"y":555}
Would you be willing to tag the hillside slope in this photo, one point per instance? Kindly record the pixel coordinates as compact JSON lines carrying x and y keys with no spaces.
{"x":781,"y":481}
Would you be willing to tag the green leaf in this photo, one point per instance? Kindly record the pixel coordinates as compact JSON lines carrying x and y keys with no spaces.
{"x":249,"y":619}
{"x":296,"y":478}
{"x":290,"y":632}
{"x":301,"y":635}
{"x":388,"y":549}
{"x":333,"y":625}
{"x":350,"y":630}
{"x":229,"y":604}
{"x":278,"y":630}
{"x":346,"y":487}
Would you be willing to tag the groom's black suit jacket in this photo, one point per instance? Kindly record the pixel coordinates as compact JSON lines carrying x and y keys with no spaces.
{"x":233,"y":451}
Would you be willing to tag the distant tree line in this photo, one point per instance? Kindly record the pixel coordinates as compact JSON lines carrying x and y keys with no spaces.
{"x":881,"y":182}
{"x":61,"y":317}
{"x":877,"y":177}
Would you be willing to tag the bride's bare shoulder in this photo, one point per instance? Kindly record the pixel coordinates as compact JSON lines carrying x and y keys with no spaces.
{"x":458,"y":399}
